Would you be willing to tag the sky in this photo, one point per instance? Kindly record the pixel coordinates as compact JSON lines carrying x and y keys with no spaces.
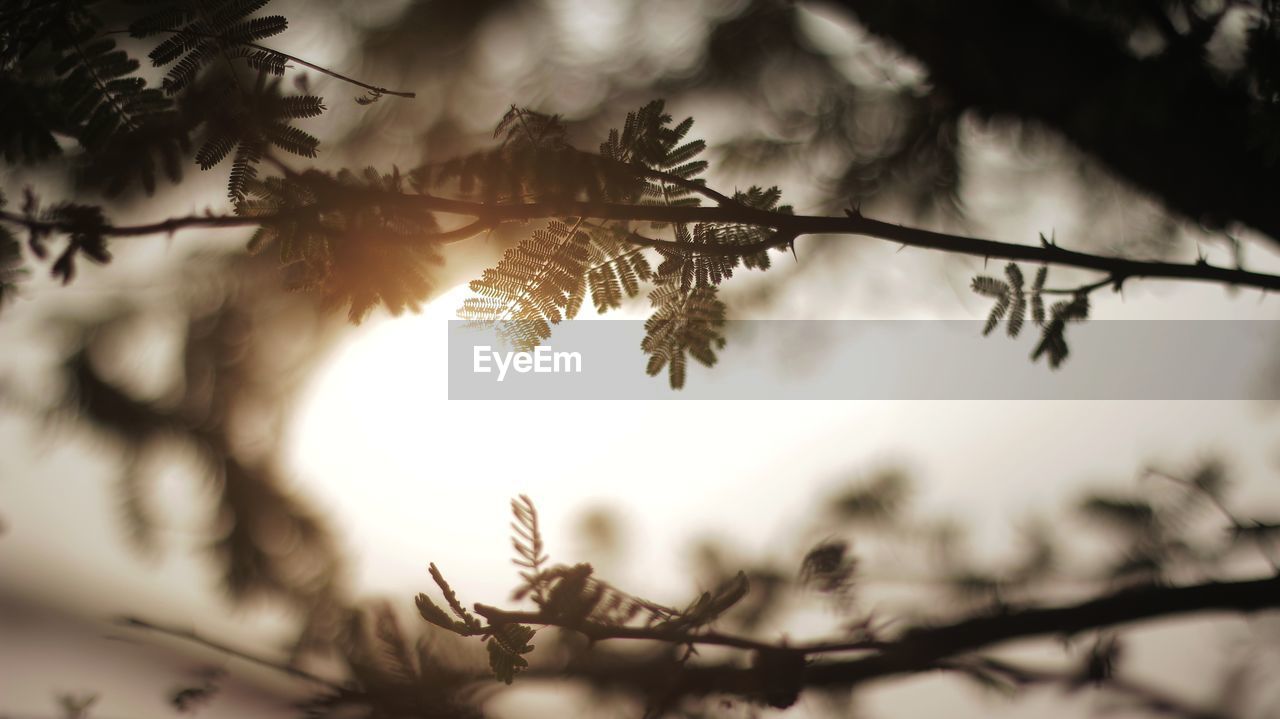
{"x":409,"y":477}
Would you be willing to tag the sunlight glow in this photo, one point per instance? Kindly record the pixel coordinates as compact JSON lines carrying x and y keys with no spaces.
{"x":413,"y":478}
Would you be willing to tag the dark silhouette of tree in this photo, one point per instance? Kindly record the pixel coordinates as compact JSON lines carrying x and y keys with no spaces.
{"x":604,"y":217}
{"x":363,"y":239}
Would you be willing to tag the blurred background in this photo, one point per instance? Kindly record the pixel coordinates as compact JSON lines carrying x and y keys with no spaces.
{"x":184,"y":441}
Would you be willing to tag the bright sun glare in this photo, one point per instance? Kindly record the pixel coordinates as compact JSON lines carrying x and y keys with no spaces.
{"x":414,"y":478}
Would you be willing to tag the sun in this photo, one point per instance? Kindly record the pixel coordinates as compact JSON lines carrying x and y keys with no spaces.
{"x":412,"y":477}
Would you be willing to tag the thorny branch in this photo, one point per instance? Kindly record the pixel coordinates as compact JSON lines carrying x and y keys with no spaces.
{"x":787,"y":228}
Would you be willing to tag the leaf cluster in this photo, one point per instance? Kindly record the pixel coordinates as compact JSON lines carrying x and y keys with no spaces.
{"x":399,"y":676}
{"x":1156,"y":526}
{"x":207,"y":31}
{"x":1012,"y":301}
{"x":249,"y":125}
{"x":568,"y":596}
{"x":684,"y":323}
{"x":83,"y":225}
{"x":665,"y":164}
{"x":65,"y":75}
{"x":350,"y":238}
{"x":545,"y":279}
{"x":506,"y":644}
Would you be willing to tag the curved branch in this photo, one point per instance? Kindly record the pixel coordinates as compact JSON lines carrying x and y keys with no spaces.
{"x":788,"y":228}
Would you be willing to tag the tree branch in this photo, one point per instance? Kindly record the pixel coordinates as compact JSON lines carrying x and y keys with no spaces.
{"x":336,"y":75}
{"x":922,"y":646}
{"x":596,"y":631}
{"x":191,"y":636}
{"x":918,"y":650}
{"x":924,"y":649}
{"x":787,"y":228}
{"x":1148,"y":697}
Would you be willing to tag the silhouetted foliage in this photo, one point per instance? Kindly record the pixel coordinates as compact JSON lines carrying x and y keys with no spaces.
{"x":368,"y":240}
{"x":609,"y":208}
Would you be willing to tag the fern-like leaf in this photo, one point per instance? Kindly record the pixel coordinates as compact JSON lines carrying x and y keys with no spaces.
{"x":991,"y":287}
{"x":507,"y":647}
{"x":1037,"y":296}
{"x":710,"y":606}
{"x":1017,"y":299}
{"x":527,"y":540}
{"x":85,"y":237}
{"x":246,"y":125}
{"x":685,"y":322}
{"x":205,"y":31}
{"x":343,"y":239}
{"x":110,"y":111}
{"x":648,"y":142}
{"x":534,"y":285}
{"x":1053,"y":340}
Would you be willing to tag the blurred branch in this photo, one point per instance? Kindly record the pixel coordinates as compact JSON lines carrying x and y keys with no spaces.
{"x":1148,"y":697}
{"x":1239,"y":526}
{"x":922,"y":646}
{"x":191,"y":636}
{"x":924,"y":649}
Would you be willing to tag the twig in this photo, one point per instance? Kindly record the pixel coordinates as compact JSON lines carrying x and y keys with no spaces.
{"x":337,"y":75}
{"x":596,"y":631}
{"x":1240,"y":526}
{"x":318,"y":68}
{"x":691,"y":185}
{"x":1111,"y":280}
{"x":191,"y":636}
